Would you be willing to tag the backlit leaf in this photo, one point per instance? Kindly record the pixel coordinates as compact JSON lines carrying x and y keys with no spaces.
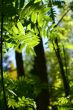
{"x":21,"y":28}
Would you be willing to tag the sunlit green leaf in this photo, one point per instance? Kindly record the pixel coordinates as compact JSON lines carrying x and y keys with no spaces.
{"x":40,"y":22}
{"x":12,"y":92}
{"x":34,"y":17}
{"x":37,"y":1}
{"x":15,"y":30}
{"x":69,"y":46}
{"x":21,"y":28}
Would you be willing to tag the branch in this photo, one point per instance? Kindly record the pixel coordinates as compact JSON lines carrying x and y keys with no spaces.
{"x":62,"y":18}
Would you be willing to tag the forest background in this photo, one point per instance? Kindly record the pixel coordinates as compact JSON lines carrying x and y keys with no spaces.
{"x":42,"y":78}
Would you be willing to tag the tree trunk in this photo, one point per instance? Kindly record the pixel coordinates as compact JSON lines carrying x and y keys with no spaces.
{"x":64,"y":77}
{"x":19,"y":64}
{"x":40,"y":70}
{"x":57,"y":51}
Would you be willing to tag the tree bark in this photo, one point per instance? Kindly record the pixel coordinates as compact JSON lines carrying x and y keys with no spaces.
{"x":19,"y":64}
{"x":64,"y":77}
{"x":40,"y":70}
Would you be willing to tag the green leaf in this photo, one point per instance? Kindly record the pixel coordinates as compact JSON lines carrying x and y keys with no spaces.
{"x":15,"y":30}
{"x":12,"y":103}
{"x":12,"y":92}
{"x":30,"y":108}
{"x":44,"y":10}
{"x":43,"y":32}
{"x":34,"y":17}
{"x":47,"y":18}
{"x":37,"y":1}
{"x":40,"y":22}
{"x":69,"y":46}
{"x":21,"y":28}
{"x":25,"y":11}
{"x":29,"y":27}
